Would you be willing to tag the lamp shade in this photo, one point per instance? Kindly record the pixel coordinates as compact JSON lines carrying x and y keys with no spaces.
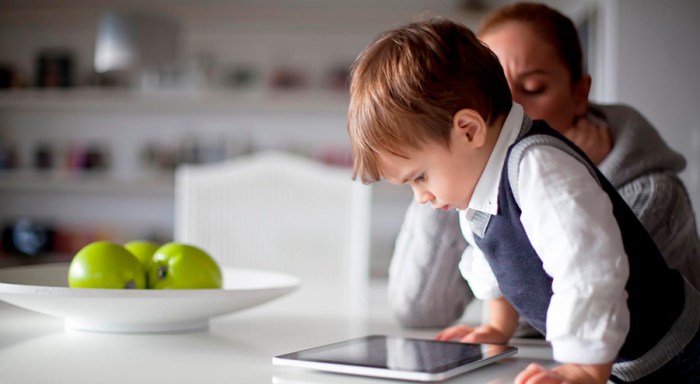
{"x":139,"y":40}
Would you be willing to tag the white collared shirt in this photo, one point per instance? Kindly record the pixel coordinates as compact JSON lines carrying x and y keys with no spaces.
{"x":569,"y":221}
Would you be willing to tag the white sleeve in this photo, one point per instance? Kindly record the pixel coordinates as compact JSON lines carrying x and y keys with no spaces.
{"x":425,"y":287}
{"x":569,"y":221}
{"x":477,"y":271}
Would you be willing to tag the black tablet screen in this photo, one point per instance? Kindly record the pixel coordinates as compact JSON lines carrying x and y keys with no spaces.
{"x":403,"y":354}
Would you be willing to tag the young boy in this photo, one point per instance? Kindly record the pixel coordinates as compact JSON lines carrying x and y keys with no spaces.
{"x":550,"y":239}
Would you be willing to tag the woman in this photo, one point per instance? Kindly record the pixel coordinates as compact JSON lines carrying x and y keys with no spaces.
{"x":540,"y":52}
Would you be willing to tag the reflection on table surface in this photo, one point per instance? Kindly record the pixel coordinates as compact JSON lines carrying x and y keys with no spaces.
{"x":237,"y":348}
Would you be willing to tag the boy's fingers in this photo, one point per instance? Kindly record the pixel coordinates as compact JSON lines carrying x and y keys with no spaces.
{"x":483,"y":335}
{"x":536,"y":374}
{"x":447,"y":334}
{"x":467,"y":339}
{"x":528,"y":373}
{"x":455,"y":332}
{"x":445,"y":337}
{"x":475,"y":337}
{"x":442,"y":336}
{"x":544,"y":378}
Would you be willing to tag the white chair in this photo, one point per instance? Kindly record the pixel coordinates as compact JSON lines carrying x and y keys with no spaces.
{"x":278,"y":211}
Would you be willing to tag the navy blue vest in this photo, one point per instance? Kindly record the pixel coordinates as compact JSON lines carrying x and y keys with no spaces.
{"x":656,"y":293}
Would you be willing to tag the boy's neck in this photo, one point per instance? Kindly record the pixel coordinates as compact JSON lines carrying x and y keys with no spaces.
{"x":494,"y":131}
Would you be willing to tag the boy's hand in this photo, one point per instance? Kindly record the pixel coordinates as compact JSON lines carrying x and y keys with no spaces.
{"x":502,"y":322}
{"x":567,"y":373}
{"x":466,"y":334}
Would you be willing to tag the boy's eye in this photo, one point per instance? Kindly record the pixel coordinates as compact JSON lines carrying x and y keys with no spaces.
{"x":419,"y":179}
{"x":534,"y":90}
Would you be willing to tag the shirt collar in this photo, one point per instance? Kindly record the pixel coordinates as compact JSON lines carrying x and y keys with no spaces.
{"x":485,"y":196}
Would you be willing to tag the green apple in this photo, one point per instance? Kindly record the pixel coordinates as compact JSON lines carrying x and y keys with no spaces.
{"x":103,"y":264}
{"x":183,"y":266}
{"x":143,"y":250}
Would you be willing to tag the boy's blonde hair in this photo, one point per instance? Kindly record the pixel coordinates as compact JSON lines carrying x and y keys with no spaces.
{"x":407,"y":85}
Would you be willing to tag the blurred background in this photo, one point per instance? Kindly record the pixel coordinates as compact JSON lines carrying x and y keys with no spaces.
{"x":100,"y":100}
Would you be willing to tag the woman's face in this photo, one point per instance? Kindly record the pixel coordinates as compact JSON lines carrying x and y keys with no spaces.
{"x":537,"y":77}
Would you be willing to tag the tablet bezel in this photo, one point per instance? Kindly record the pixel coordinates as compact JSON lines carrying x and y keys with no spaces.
{"x":291,"y":359}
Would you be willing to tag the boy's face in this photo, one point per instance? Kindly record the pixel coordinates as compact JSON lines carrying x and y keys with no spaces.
{"x":443,"y":177}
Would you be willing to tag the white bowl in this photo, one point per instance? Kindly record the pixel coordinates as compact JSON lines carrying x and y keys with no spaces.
{"x":44,"y":289}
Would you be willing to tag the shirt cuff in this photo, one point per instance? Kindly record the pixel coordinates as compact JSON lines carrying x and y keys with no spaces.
{"x":577,"y":351}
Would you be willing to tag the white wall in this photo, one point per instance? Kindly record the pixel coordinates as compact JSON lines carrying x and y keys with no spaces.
{"x":651,"y":61}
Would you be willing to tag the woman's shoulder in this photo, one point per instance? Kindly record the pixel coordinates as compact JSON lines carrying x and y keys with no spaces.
{"x":638,"y":149}
{"x":619,"y":113}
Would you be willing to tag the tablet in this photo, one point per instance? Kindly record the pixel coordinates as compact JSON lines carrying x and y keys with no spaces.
{"x":397,"y":357}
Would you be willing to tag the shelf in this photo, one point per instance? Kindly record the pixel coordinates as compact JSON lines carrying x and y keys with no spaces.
{"x":98,"y":183}
{"x":217,"y":101}
{"x":10,"y":260}
{"x":159,"y":184}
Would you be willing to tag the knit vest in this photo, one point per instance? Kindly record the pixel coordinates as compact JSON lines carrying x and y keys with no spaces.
{"x":657,"y":295}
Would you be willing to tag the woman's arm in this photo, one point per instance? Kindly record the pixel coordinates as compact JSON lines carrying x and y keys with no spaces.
{"x":661,"y":203}
{"x":426,"y":288}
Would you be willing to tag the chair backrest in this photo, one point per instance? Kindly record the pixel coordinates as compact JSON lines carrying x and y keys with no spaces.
{"x":277,"y":211}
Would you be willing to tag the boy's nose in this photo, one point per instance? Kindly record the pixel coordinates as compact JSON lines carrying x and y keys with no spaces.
{"x":422,"y":196}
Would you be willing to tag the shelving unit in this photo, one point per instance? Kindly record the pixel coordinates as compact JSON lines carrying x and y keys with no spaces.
{"x":314,"y":37}
{"x":84,"y":183}
{"x":142,"y":200}
{"x":293,"y":102}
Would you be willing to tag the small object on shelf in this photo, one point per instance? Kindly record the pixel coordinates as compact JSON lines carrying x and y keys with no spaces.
{"x":288,"y":78}
{"x":55,"y":69}
{"x":96,"y":157}
{"x":8,"y":156}
{"x":241,"y":77}
{"x":27,"y":237}
{"x":74,"y":157}
{"x":44,"y":156}
{"x":337,"y":78}
{"x":10,"y":77}
{"x":137,"y":43}
{"x":91,"y":157}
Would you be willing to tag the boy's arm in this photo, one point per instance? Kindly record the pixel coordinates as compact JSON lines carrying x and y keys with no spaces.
{"x":503,"y":317}
{"x":483,"y":283}
{"x":567,"y":373}
{"x":570,"y":223}
{"x":425,"y":286}
{"x":503,"y":320}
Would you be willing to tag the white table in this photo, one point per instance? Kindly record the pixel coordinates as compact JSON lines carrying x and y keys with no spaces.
{"x":237,"y":348}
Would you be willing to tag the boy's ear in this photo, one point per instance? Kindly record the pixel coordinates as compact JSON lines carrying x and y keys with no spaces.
{"x":469,"y":127}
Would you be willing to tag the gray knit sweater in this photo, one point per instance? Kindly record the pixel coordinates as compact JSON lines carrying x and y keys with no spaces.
{"x":426,"y":288}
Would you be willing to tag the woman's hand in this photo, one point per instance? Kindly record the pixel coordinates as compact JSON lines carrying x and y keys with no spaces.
{"x":466,"y":334}
{"x":592,"y":137}
{"x":567,"y":373}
